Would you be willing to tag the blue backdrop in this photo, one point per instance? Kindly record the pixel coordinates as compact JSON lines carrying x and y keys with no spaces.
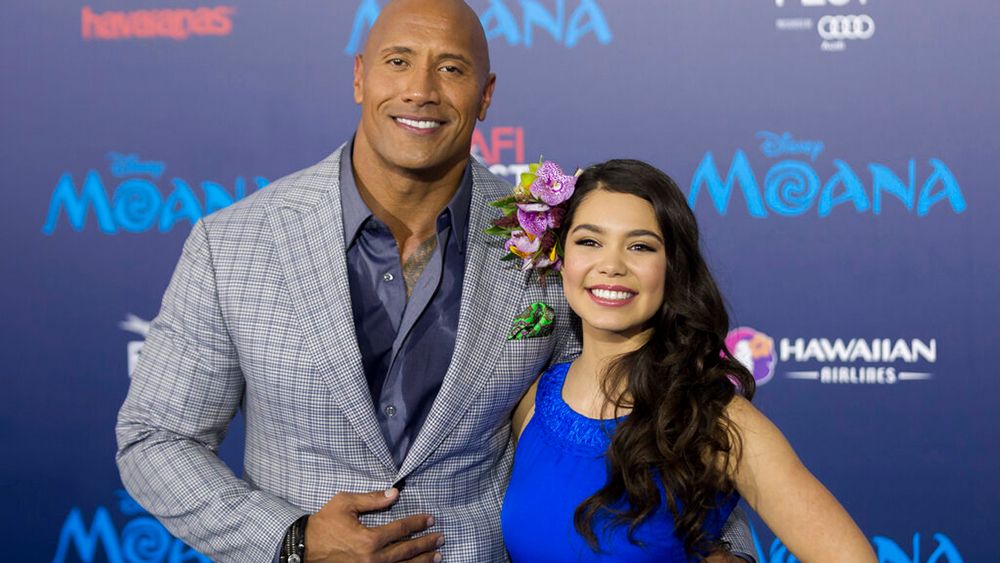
{"x":839,"y":154}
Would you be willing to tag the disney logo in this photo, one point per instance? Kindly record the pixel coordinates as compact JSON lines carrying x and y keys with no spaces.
{"x":123,"y":165}
{"x":775,"y":145}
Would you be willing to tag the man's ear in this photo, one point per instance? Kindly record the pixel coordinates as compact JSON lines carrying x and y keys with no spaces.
{"x":359,"y":70}
{"x":491,"y":82}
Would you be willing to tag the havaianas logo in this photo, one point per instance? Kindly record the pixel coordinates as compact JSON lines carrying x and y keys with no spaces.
{"x":792,"y":186}
{"x":174,"y":23}
{"x":137,"y":205}
{"x":140,"y":540}
{"x":567,"y":27}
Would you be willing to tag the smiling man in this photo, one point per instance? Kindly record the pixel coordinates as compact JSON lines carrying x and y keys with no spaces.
{"x":358,"y":314}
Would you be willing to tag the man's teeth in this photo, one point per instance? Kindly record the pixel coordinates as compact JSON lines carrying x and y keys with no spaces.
{"x":419,"y":124}
{"x":612,"y":295}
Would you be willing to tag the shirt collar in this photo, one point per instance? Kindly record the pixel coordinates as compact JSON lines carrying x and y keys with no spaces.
{"x":355,"y":212}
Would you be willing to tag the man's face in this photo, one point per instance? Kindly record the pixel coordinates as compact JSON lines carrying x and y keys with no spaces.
{"x":422,"y":83}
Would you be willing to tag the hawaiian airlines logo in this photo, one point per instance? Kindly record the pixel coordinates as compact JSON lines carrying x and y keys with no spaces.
{"x":793,"y":185}
{"x":865,"y":361}
{"x":135,"y":325}
{"x":834,"y":30}
{"x":565,"y":22}
{"x":755,"y":350}
{"x":136,"y":538}
{"x":859,"y":360}
{"x":501,"y":149}
{"x":137,"y":205}
{"x":172,"y":23}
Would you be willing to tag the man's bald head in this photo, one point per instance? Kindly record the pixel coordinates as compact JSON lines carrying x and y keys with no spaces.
{"x":454,"y":14}
{"x":423,"y":82}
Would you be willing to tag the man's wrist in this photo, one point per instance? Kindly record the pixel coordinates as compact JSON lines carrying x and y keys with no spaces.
{"x":293,"y":545}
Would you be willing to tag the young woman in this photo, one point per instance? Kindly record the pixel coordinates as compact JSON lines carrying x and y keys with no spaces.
{"x":639,"y":449}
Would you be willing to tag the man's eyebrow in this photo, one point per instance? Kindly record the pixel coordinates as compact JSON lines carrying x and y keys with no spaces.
{"x":401,"y":50}
{"x":396,"y":50}
{"x":455,"y":57}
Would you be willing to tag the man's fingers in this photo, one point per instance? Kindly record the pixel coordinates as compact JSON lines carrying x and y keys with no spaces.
{"x":399,"y":529}
{"x":425,"y":558}
{"x":420,"y":549}
{"x":369,"y":502}
{"x":338,"y":526}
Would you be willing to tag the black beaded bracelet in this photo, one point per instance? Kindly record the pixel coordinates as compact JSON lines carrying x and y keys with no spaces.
{"x":293,"y":548}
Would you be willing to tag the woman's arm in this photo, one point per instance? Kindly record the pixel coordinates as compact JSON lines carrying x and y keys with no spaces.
{"x":793,"y":503}
{"x":523,"y":411}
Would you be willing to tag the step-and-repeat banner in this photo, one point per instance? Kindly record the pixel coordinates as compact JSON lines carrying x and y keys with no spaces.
{"x":841,"y":156}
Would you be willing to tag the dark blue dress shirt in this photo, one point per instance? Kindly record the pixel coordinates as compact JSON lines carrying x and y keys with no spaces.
{"x":405,"y":344}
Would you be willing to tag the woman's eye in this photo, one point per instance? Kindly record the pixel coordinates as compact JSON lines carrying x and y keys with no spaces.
{"x":642,"y":247}
{"x":585,"y":242}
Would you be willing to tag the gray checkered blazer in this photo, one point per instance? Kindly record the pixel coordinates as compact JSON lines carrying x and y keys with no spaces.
{"x":258,"y":316}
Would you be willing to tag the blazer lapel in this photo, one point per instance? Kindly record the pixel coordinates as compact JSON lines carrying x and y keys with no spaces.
{"x":491,"y":289}
{"x":309,"y":237}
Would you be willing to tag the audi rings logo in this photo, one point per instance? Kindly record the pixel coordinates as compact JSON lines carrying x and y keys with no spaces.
{"x":834,"y":28}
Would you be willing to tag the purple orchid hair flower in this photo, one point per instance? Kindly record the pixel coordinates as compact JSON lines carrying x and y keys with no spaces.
{"x":523,"y":245}
{"x":551,"y":185}
{"x":534,"y":222}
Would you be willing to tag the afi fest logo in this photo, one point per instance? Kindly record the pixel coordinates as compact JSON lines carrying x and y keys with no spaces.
{"x":834,"y":30}
{"x":566,"y":22}
{"x":501,"y":149}
{"x":136,"y":538}
{"x":137,"y":203}
{"x":858,"y":361}
{"x":794,"y":185}
{"x":177,"y":24}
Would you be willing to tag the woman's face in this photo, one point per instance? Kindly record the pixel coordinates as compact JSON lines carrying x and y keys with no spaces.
{"x":615,"y":264}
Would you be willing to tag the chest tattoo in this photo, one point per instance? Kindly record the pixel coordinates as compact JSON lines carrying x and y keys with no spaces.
{"x":414,"y":265}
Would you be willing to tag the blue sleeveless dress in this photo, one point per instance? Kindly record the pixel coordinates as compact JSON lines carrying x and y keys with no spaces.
{"x":558,"y":464}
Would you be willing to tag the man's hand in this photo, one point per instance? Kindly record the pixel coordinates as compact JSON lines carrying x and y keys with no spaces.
{"x":335,"y":534}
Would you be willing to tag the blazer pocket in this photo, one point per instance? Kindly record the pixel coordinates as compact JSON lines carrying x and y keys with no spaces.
{"x":525,"y":358}
{"x":519,"y":364}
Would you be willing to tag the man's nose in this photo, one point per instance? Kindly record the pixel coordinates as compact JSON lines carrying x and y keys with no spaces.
{"x":422,"y":87}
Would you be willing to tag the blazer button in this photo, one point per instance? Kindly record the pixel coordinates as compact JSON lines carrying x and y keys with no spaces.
{"x":390,"y":410}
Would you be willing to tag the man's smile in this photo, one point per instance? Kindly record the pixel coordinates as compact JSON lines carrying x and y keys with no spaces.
{"x":418,"y":125}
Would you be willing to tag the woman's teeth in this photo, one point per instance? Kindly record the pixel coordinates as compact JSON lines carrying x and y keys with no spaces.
{"x":612,"y":295}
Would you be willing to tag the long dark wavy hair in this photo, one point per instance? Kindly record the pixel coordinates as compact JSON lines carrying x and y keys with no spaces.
{"x":677,"y":384}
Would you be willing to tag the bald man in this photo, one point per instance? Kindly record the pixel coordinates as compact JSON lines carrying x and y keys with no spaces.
{"x":358,"y":314}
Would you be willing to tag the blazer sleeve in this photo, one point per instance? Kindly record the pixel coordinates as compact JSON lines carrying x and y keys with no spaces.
{"x":567,"y":327}
{"x":736,"y":532}
{"x":184,"y":392}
